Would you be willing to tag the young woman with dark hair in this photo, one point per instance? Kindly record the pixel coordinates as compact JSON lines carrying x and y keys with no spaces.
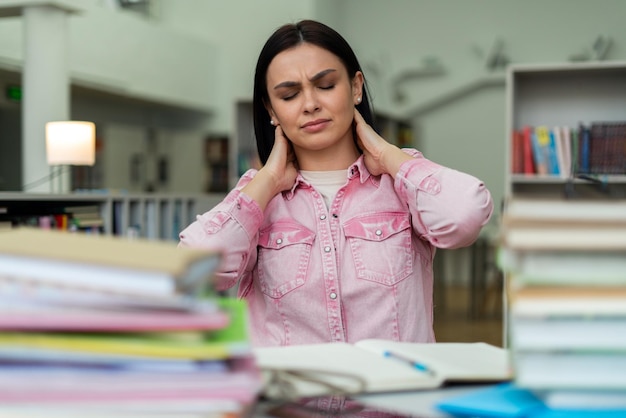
{"x":333,"y":239}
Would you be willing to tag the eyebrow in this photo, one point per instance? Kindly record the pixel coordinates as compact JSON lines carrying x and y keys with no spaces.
{"x":316,"y":77}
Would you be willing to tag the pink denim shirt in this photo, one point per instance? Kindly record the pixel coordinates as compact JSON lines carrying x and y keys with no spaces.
{"x":360,"y":269}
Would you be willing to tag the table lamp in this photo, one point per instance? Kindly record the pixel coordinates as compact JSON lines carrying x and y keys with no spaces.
{"x":70,"y":143}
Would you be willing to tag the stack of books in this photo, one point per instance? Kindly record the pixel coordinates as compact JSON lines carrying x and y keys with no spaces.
{"x":565,"y":263}
{"x":104,"y":326}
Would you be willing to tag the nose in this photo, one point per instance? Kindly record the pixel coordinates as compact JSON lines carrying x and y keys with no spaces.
{"x":311,"y":103}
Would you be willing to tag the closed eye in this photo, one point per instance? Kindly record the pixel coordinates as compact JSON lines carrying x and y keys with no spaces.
{"x":287,"y":98}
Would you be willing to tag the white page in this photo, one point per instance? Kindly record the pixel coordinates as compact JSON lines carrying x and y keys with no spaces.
{"x":451,"y":361}
{"x":333,"y":360}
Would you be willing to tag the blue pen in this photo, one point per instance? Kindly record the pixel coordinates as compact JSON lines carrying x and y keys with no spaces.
{"x":416,"y":365}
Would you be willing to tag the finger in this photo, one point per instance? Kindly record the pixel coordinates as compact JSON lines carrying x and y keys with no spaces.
{"x":358,"y":118}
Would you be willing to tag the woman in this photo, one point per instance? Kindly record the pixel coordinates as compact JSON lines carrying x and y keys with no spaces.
{"x":333,"y":238}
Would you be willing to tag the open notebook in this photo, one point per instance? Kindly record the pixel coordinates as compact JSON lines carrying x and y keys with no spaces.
{"x":375,"y":365}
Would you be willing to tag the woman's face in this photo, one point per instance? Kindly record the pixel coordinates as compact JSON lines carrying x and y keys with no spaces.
{"x":312,"y":97}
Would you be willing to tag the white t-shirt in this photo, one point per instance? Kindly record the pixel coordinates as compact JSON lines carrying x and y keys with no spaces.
{"x":326,"y":182}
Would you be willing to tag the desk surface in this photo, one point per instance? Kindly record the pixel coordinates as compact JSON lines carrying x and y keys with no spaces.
{"x":413,"y":403}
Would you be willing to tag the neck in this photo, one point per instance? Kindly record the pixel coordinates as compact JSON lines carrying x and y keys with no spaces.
{"x":335,"y":158}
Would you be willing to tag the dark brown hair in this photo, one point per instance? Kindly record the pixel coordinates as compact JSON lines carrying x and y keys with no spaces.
{"x":289,"y":36}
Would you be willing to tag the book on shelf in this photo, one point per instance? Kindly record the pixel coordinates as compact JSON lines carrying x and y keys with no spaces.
{"x":527,"y":148}
{"x":597,"y":148}
{"x":517,"y":152}
{"x":140,"y":268}
{"x":541,"y":150}
{"x":373,"y":365}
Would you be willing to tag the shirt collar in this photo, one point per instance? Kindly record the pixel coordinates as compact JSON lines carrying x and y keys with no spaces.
{"x":357,"y":168}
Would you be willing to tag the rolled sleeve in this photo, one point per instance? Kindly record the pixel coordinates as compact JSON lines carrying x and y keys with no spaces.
{"x":231,"y":226}
{"x":449,"y":207}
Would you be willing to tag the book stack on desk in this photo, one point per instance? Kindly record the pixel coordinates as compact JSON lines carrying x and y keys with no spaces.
{"x":103,"y":326}
{"x":565,"y":263}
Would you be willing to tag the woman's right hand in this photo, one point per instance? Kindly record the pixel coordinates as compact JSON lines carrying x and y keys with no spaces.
{"x":278,"y":174}
{"x":281,"y":163}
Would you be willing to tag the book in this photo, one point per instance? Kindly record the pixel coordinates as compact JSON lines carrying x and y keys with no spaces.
{"x":562,"y":141}
{"x":507,"y":400}
{"x":564,"y":267}
{"x":570,"y":369}
{"x":527,"y":146}
{"x":584,"y":149}
{"x":103,"y":263}
{"x":559,"y":224}
{"x":585,"y":399}
{"x":547,"y":210}
{"x":554,"y":163}
{"x":541,"y":150}
{"x":375,"y":365}
{"x":517,"y":152}
{"x":562,"y":318}
{"x":544,"y":237}
{"x":499,"y":401}
{"x":42,"y":317}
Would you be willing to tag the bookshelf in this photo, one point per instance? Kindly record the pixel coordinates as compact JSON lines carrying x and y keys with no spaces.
{"x":564,"y":95}
{"x":152,"y":216}
{"x":551,"y":95}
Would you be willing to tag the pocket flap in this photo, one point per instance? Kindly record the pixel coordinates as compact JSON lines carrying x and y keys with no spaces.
{"x":283,"y":233}
{"x":377,"y":227}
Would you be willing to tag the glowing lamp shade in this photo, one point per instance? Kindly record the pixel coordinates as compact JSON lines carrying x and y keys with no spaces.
{"x":71,"y":143}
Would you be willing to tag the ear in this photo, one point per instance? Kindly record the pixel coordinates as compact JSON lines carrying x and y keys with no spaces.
{"x":357,"y":87}
{"x":270,"y":110}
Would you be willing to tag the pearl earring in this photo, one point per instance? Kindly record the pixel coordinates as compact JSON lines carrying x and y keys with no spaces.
{"x":272,"y":122}
{"x":358,"y":100}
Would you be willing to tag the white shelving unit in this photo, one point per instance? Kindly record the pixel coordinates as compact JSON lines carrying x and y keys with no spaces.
{"x":567,"y":94}
{"x":152,"y":216}
{"x":563,"y":94}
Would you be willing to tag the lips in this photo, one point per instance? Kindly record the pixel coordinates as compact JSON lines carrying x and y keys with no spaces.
{"x":315,"y":125}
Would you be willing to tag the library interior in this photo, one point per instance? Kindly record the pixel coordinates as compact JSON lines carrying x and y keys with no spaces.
{"x":121,"y":121}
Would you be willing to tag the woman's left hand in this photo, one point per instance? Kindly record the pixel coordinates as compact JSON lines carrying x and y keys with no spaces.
{"x":379,"y":155}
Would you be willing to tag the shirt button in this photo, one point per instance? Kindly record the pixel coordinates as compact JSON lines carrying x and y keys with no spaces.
{"x":279,"y":241}
{"x":378,"y":232}
{"x":327,"y":249}
{"x":323,"y":217}
{"x":333,"y":295}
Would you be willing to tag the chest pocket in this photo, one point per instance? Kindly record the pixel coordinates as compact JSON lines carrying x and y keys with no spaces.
{"x":284,"y":255}
{"x":381,"y":246}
